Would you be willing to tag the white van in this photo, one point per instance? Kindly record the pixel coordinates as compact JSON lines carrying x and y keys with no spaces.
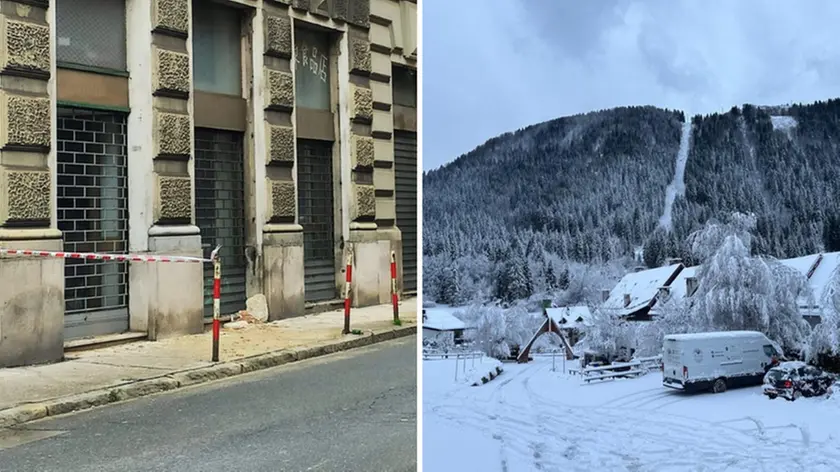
{"x":717,"y":361}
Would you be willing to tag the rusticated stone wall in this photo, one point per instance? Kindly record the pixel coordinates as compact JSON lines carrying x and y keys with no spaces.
{"x":279,"y":104}
{"x":362,"y":150}
{"x":32,"y":297}
{"x":25,"y":116}
{"x":172,"y":126}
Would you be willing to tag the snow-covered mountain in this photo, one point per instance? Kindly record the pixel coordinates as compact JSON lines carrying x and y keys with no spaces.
{"x":595,"y":188}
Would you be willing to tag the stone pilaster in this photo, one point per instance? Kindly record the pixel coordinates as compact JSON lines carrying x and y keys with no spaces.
{"x":32,"y":310}
{"x":370,"y":272}
{"x":165,"y":300}
{"x":282,"y":243}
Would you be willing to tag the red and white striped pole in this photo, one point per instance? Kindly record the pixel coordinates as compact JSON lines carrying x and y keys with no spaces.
{"x":347,"y":281}
{"x":217,"y":294}
{"x":394,"y":297}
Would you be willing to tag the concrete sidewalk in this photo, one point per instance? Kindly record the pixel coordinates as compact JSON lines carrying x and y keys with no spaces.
{"x":97,"y":377}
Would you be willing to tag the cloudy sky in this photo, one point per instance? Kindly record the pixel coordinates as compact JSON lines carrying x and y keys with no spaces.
{"x":491,"y":66}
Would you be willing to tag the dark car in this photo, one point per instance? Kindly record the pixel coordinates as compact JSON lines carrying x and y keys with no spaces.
{"x":792,"y":380}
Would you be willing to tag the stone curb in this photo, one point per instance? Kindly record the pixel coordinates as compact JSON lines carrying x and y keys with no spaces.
{"x":25,"y":413}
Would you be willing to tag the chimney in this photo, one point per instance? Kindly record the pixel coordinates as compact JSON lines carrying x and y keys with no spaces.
{"x":690,"y":286}
{"x":673,"y":261}
{"x":639,"y":268}
{"x":664,"y":293}
{"x":626,"y":300}
{"x":605,"y":295}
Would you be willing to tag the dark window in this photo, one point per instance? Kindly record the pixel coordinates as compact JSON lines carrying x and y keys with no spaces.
{"x":769,"y":351}
{"x":217,"y":49}
{"x":405,"y":86}
{"x":312,"y":69}
{"x":91,"y":33}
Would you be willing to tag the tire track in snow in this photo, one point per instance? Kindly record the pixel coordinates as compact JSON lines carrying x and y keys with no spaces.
{"x":721,"y":446}
{"x":677,"y":186}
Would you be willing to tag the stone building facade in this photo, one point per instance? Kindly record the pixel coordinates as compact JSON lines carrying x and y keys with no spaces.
{"x":282,"y":130}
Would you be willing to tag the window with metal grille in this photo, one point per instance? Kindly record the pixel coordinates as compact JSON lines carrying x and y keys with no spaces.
{"x":405,"y":190}
{"x":93,"y":206}
{"x":91,"y":33}
{"x":315,"y":202}
{"x":220,"y":212}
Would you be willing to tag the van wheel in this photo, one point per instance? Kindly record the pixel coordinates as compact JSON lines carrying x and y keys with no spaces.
{"x":719,"y":386}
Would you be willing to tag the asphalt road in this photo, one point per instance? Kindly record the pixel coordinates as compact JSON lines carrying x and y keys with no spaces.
{"x":352,"y":411}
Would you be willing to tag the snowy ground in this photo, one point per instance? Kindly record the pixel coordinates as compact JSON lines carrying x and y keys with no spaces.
{"x":470,"y":369}
{"x":531,"y":418}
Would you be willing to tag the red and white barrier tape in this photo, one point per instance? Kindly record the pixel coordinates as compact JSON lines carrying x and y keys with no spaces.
{"x":100,"y":257}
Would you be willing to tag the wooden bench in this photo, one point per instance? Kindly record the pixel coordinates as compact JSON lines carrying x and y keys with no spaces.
{"x":612,"y":374}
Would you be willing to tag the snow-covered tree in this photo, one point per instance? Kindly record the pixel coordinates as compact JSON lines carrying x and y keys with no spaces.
{"x":825,"y":337}
{"x":739,"y":292}
{"x":607,"y":335}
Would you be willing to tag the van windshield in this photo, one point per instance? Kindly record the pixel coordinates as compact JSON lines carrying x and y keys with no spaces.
{"x":769,"y":350}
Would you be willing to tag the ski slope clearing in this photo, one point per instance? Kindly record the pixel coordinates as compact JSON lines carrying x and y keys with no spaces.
{"x":532,"y":418}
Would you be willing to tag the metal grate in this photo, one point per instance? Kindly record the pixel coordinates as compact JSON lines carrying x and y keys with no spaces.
{"x":91,"y":33}
{"x":405,"y":190}
{"x":220,"y":213}
{"x":315,"y":201}
{"x":93,"y":216}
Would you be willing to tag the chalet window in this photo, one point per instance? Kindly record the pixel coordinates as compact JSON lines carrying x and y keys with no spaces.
{"x":91,"y":33}
{"x":217,"y":49}
{"x":405,"y":86}
{"x":312,"y":69}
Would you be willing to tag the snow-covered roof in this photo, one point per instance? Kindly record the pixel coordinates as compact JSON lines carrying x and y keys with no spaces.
{"x":442,"y":320}
{"x":641,"y":286}
{"x":714,"y":335}
{"x":821,"y":268}
{"x":679,"y":289}
{"x":570,"y":316}
{"x":823,"y":275}
{"x":803,"y":264}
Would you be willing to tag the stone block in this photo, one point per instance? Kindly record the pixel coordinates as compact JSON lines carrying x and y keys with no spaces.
{"x":383,"y":151}
{"x":171,"y":74}
{"x":174,"y":199}
{"x":367,"y":272}
{"x":283,"y":266}
{"x":341,"y":10}
{"x":278,"y":36}
{"x":173,"y":135}
{"x":24,"y":48}
{"x":383,"y":178}
{"x":361,"y":151}
{"x":283,"y":200}
{"x":386,"y":208}
{"x":32,"y":315}
{"x":359,"y":13}
{"x":364,"y":202}
{"x":24,"y":121}
{"x":281,"y":90}
{"x":281,"y":144}
{"x":383,"y":123}
{"x":359,"y":55}
{"x":362,"y":104}
{"x":28,"y":196}
{"x":175,"y":292}
{"x":171,"y":16}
